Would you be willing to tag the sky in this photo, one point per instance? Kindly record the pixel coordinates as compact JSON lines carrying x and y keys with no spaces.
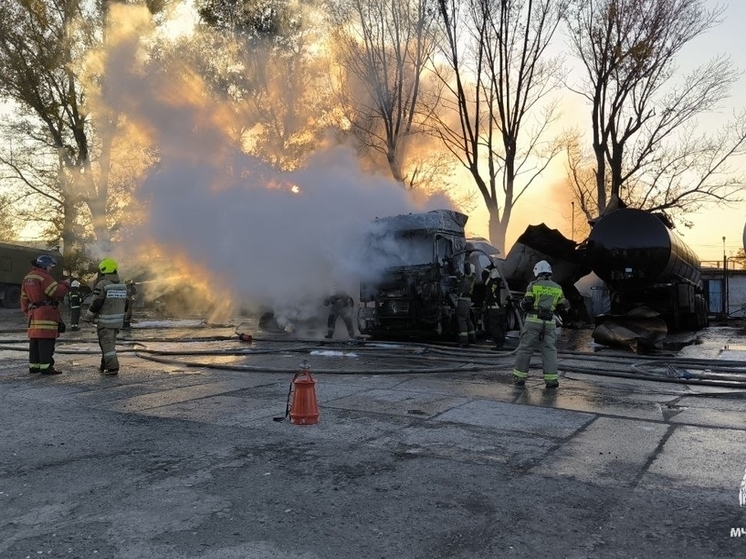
{"x":541,"y":204}
{"x":709,"y":225}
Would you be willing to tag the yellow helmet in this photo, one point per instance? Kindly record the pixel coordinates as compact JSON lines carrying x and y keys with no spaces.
{"x":107,"y":266}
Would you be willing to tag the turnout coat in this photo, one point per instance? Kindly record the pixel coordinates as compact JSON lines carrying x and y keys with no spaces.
{"x":40,"y":296}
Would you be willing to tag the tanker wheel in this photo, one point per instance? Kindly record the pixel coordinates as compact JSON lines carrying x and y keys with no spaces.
{"x":12,"y":297}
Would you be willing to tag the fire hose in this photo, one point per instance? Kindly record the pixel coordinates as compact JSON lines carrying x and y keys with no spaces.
{"x":435,"y":358}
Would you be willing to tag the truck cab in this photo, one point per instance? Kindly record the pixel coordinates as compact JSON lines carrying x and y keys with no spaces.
{"x":417,"y":260}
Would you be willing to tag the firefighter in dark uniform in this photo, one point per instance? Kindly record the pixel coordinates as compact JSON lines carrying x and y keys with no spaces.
{"x":74,"y":299}
{"x":341,"y":305}
{"x":131,"y":297}
{"x":466,"y":331}
{"x":494,"y":311}
{"x":107,"y":308}
{"x":543,"y":297}
{"x":40,"y":297}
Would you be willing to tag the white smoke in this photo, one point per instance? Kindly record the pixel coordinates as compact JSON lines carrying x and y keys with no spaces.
{"x":230,"y":213}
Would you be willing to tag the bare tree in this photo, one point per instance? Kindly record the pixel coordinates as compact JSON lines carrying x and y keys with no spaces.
{"x":265,"y":58}
{"x":8,"y":225}
{"x":497,"y":79}
{"x":646,"y":149}
{"x":383,"y":47}
{"x":58,"y":155}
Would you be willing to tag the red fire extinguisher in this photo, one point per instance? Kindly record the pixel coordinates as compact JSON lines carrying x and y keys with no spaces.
{"x":304,"y":409}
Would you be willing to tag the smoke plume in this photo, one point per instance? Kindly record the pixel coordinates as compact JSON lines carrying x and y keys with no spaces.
{"x":276,"y":239}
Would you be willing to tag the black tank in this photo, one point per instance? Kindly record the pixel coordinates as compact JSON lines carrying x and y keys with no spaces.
{"x":634,"y":249}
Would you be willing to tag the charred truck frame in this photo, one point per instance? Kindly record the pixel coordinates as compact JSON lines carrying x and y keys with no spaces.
{"x":419,"y":258}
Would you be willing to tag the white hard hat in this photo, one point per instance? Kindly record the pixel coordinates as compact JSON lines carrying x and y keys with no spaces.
{"x":542,"y":267}
{"x":75,"y":283}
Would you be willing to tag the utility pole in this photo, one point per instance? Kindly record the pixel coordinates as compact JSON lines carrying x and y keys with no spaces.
{"x":572,"y":221}
{"x":725,"y":281}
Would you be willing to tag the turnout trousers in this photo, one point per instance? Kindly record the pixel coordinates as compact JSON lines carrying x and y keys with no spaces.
{"x":496,"y":325}
{"x":541,"y":335}
{"x":331,"y":322}
{"x":466,"y":331}
{"x":41,"y":354}
{"x":107,"y":341}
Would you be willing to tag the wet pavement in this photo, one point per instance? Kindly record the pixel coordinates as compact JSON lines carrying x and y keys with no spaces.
{"x":420,"y":451}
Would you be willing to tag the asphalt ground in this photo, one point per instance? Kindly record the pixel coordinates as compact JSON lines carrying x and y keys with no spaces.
{"x":419,"y":452}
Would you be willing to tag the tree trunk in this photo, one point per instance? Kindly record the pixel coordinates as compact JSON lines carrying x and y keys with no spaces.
{"x":498,"y":229}
{"x":617,"y":150}
{"x":395,"y":166}
{"x":598,"y":150}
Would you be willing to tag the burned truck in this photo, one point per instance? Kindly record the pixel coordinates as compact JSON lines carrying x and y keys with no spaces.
{"x":415,"y":262}
{"x":15,"y":263}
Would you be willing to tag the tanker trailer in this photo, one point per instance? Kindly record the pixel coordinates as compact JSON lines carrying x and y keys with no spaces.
{"x":644,"y":264}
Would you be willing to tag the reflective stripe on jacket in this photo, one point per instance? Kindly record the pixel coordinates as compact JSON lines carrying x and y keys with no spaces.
{"x":74,"y":299}
{"x":40,"y":294}
{"x":492,"y":293}
{"x":109,"y":302}
{"x":545,"y":295}
{"x":466,"y":286}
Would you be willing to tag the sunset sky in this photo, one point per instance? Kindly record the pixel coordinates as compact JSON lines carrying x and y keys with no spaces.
{"x":545,"y":203}
{"x":710,"y":225}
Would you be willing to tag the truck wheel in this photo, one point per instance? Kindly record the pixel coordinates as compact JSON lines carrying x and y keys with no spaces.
{"x":513,"y":318}
{"x":12,"y":297}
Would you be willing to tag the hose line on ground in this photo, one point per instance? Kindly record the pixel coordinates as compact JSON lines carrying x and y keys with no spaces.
{"x":682,"y":370}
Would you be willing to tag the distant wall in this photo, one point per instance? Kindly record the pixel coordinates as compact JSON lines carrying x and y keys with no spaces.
{"x":737,"y":295}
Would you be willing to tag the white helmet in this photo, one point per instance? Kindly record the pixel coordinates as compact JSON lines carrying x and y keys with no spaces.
{"x":542,"y":267}
{"x":75,"y":283}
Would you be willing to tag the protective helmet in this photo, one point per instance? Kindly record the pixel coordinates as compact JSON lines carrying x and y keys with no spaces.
{"x":494,"y":273}
{"x":45,"y":261}
{"x":542,"y":267}
{"x":107,"y":266}
{"x":75,"y":283}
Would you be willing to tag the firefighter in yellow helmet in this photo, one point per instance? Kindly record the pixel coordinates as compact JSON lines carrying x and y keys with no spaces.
{"x":543,"y":297}
{"x":107,"y":308}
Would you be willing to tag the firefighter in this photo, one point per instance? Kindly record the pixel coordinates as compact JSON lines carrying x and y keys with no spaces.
{"x":131,"y":298}
{"x":543,"y":297}
{"x":74,"y":300}
{"x":40,"y":298}
{"x":494,"y":311}
{"x":466,"y":332}
{"x":341,"y":305}
{"x":108,"y":308}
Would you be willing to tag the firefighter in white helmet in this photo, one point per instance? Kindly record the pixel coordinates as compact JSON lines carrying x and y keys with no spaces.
{"x":466,"y":331}
{"x":494,"y":310}
{"x":74,"y":300}
{"x":543,"y":297}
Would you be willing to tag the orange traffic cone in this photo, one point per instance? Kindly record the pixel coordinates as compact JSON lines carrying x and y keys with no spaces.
{"x":304,"y":409}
